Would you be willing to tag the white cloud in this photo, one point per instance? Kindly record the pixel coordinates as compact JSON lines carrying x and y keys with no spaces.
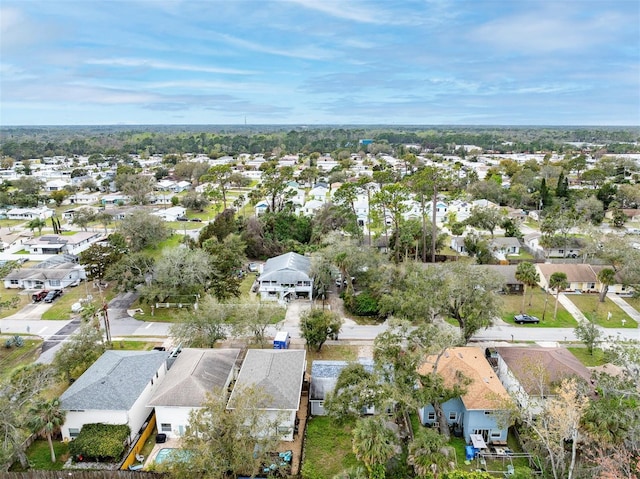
{"x":158,"y":65}
{"x":349,"y":11}
{"x":308,"y":52}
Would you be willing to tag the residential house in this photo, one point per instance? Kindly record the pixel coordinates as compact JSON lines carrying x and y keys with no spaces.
{"x":581,"y":277}
{"x":481,"y":409}
{"x":319,"y":193}
{"x":532,"y":241}
{"x":70,"y":213}
{"x":572,"y":249}
{"x":261,"y":207}
{"x":324,"y":376}
{"x":193,"y":374}
{"x":286,"y":277}
{"x":530,"y":373}
{"x":114,"y":390}
{"x":114,"y":199}
{"x":508,"y":273}
{"x":171,"y":214}
{"x":457,"y":244}
{"x":55,"y":273}
{"x":57,"y":244}
{"x":27,"y":214}
{"x":504,"y":246}
{"x":280,"y":374}
{"x":55,"y":185}
{"x":311,"y":207}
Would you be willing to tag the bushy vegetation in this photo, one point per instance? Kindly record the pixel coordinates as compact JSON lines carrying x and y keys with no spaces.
{"x":102,"y":442}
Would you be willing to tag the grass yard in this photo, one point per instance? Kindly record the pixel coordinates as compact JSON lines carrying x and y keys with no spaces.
{"x":598,"y":358}
{"x":327,"y":448}
{"x":61,"y":307}
{"x":598,"y":312}
{"x":513,"y":302}
{"x":332,"y":353}
{"x":633,"y":302}
{"x":8,"y":294}
{"x":160,"y":315}
{"x":181,"y":226}
{"x":125,"y":345}
{"x":172,"y":242}
{"x":39,"y":456}
{"x":11,"y":358}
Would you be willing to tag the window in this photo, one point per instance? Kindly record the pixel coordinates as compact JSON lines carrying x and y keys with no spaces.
{"x":453,"y":416}
{"x":73,"y":432}
{"x":54,"y":282}
{"x":165,"y":427}
{"x":561,"y":251}
{"x":321,"y":403}
{"x":14,"y":281}
{"x":488,"y":413}
{"x":591,"y":285}
{"x":431,"y":416}
{"x":495,"y":434}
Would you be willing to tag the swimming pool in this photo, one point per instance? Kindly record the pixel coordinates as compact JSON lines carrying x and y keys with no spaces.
{"x":164,"y":454}
{"x":171,"y":454}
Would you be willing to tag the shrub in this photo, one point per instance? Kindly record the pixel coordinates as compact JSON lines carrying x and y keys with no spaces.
{"x":362,"y":304}
{"x":101,"y":442}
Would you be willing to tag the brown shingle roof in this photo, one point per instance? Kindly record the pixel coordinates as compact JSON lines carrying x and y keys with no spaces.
{"x":576,"y":273}
{"x":485,"y":392}
{"x":558,"y":363}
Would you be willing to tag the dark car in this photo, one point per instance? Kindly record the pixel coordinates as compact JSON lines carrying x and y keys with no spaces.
{"x":197,"y":220}
{"x":52,"y":295}
{"x":525,"y":318}
{"x":39,"y":296}
{"x":182,"y":218}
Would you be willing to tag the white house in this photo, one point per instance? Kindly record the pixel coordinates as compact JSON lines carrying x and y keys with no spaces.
{"x":279,"y":373}
{"x":114,"y":390}
{"x":310,"y":207}
{"x":55,"y":273}
{"x":319,"y":193}
{"x":192,"y":375}
{"x":324,"y":376}
{"x":286,"y":277}
{"x":29,"y":213}
{"x":171,"y":214}
{"x":261,"y":207}
{"x":57,"y":244}
{"x":55,"y":185}
{"x":529,"y":373}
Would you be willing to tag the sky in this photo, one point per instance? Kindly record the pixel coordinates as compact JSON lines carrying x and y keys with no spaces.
{"x":314,"y":62}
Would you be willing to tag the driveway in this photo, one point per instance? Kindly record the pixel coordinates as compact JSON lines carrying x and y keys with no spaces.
{"x":572,"y":308}
{"x":626,"y":307}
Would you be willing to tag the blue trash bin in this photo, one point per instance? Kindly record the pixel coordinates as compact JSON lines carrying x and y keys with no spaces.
{"x":470,"y":452}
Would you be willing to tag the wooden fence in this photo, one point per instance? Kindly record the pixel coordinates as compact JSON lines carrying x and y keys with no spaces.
{"x":83,"y":475}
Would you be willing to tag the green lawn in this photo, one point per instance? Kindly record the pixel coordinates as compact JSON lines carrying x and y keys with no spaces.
{"x":39,"y":456}
{"x":633,"y":302}
{"x":7,"y":294}
{"x":10,"y":223}
{"x":181,"y":226}
{"x":332,"y":353}
{"x":126,"y":345}
{"x":327,"y":448}
{"x":160,"y":315}
{"x":11,"y":358}
{"x":61,"y":307}
{"x":598,"y":358}
{"x":598,"y":312}
{"x":172,"y":242}
{"x":512,"y":304}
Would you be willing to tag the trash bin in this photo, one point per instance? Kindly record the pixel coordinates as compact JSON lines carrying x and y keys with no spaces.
{"x":161,"y":438}
{"x":470,"y":452}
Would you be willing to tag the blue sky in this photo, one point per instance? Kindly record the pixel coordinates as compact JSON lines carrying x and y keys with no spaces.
{"x":509,"y":62}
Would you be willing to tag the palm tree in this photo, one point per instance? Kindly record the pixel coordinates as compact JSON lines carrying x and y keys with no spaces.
{"x":606,"y":276}
{"x":37,"y":223}
{"x":374,"y":444}
{"x":558,"y":281}
{"x":527,"y":274}
{"x":46,"y":417}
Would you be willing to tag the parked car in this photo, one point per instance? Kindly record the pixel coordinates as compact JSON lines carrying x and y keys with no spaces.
{"x":52,"y":295}
{"x":197,"y":220}
{"x":39,"y":296}
{"x":525,"y":318}
{"x":182,"y":218}
{"x":253,"y":267}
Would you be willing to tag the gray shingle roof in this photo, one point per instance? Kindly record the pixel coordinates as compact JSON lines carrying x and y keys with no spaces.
{"x":114,"y":382}
{"x":287,"y":268}
{"x":195,"y":373}
{"x":324,"y":376}
{"x":277,"y":373}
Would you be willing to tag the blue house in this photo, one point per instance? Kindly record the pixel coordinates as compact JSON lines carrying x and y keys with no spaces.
{"x":481,"y":410}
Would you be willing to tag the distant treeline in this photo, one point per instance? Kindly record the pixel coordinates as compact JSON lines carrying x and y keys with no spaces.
{"x":41,"y":141}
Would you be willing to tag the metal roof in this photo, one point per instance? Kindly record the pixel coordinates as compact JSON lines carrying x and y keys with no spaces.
{"x":287,"y":268}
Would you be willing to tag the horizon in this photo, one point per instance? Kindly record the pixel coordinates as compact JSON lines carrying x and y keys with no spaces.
{"x":304,"y":62}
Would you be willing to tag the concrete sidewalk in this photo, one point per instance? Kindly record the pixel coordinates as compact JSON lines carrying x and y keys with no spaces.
{"x":626,"y":307}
